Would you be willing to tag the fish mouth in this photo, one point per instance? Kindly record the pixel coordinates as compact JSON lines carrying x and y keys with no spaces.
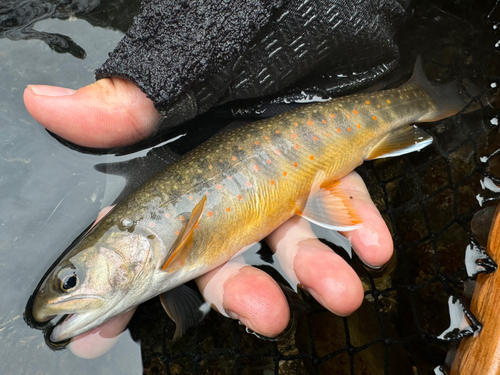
{"x":63,"y":328}
{"x":74,"y":323}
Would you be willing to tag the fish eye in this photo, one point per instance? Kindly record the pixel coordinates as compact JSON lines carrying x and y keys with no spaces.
{"x":67,"y":279}
{"x":69,"y":282}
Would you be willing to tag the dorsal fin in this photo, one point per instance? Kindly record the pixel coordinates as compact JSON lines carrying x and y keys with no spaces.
{"x":184,"y":242}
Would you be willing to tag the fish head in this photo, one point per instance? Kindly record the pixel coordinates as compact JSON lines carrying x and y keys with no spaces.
{"x":96,"y":280}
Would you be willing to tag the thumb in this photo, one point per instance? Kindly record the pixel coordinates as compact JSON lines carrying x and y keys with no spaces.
{"x":111,"y":112}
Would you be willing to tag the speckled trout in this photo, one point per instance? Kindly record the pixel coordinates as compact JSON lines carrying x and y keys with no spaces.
{"x":230,"y":192}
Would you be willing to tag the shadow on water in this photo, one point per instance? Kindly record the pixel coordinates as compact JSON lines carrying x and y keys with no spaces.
{"x":414,"y":310}
{"x":18,"y":17}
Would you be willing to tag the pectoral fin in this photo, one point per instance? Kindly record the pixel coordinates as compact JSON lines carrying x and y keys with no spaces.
{"x":184,"y":307}
{"x":399,"y":142}
{"x":330,"y":206}
{"x":184,"y":242}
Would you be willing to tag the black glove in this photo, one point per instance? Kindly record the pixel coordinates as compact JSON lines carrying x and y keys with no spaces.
{"x":189,"y":56}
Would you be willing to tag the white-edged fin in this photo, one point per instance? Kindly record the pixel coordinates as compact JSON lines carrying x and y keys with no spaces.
{"x":184,"y":307}
{"x":401,"y":141}
{"x":329,"y":206}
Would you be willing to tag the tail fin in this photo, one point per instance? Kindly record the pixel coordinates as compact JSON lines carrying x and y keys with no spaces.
{"x":449,"y":98}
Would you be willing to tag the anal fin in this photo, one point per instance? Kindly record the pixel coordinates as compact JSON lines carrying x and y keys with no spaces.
{"x":330,"y":206}
{"x":184,"y":242}
{"x":401,"y":141}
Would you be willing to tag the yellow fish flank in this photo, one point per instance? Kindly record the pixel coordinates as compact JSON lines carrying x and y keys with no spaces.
{"x":231,"y":192}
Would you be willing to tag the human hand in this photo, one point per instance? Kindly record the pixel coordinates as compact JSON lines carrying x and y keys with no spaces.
{"x":113,"y":113}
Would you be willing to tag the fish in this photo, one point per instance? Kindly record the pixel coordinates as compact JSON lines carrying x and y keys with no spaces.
{"x":229,"y":193}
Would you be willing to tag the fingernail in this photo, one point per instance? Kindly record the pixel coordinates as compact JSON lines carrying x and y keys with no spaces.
{"x":242,"y":320}
{"x":45,"y":90}
{"x":247,"y":323}
{"x":373,"y":267}
{"x":232,"y":314}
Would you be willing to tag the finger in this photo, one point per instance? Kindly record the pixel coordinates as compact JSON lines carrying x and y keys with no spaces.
{"x":111,"y":112}
{"x":248,"y":294}
{"x":315,"y":267}
{"x":372,"y":242}
{"x":100,"y":340}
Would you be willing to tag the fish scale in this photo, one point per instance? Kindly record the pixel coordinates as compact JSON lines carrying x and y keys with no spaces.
{"x":241,"y":154}
{"x":231,"y":192}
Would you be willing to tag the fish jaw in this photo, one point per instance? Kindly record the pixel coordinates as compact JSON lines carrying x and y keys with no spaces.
{"x":45,"y":310}
{"x":76,"y":323}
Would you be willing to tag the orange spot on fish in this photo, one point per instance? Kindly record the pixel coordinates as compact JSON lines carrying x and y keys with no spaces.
{"x":239,"y":148}
{"x":347,"y":116}
{"x":323,"y":121}
{"x":311,"y":157}
{"x":277,"y":131}
{"x":296,"y":147}
{"x":197,"y":226}
{"x":210,"y":167}
{"x":355,"y":112}
{"x":284,"y":173}
{"x":210,"y":213}
{"x":256,"y":143}
{"x":181,"y":218}
{"x":177,"y":232}
{"x":327,"y":134}
{"x":358,"y":126}
{"x":249,"y":184}
{"x":152,"y":225}
{"x":190,"y":197}
{"x":277,"y":152}
{"x":367,"y":102}
{"x":268,"y":161}
{"x":296,"y":123}
{"x":256,"y":167}
{"x":338,"y":130}
{"x":240,"y":197}
{"x":315,"y":138}
{"x":229,"y":177}
{"x":234,"y":157}
{"x":228,"y":209}
{"x":272,"y":182}
{"x":294,"y":135}
{"x":309,"y":122}
{"x":295,"y":164}
{"x":266,"y":137}
{"x":207,"y":193}
{"x":349,"y":129}
{"x":374,"y":118}
{"x":333,"y":116}
{"x":167,"y":215}
{"x":388,"y":102}
{"x":218,"y":186}
{"x":220,"y":160}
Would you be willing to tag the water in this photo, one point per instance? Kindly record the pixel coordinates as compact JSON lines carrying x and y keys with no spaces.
{"x":49,"y":194}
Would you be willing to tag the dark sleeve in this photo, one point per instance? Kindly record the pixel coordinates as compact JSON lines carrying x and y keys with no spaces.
{"x":189,"y":55}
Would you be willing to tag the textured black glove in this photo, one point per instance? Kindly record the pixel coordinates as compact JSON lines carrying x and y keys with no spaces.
{"x":191,"y":55}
